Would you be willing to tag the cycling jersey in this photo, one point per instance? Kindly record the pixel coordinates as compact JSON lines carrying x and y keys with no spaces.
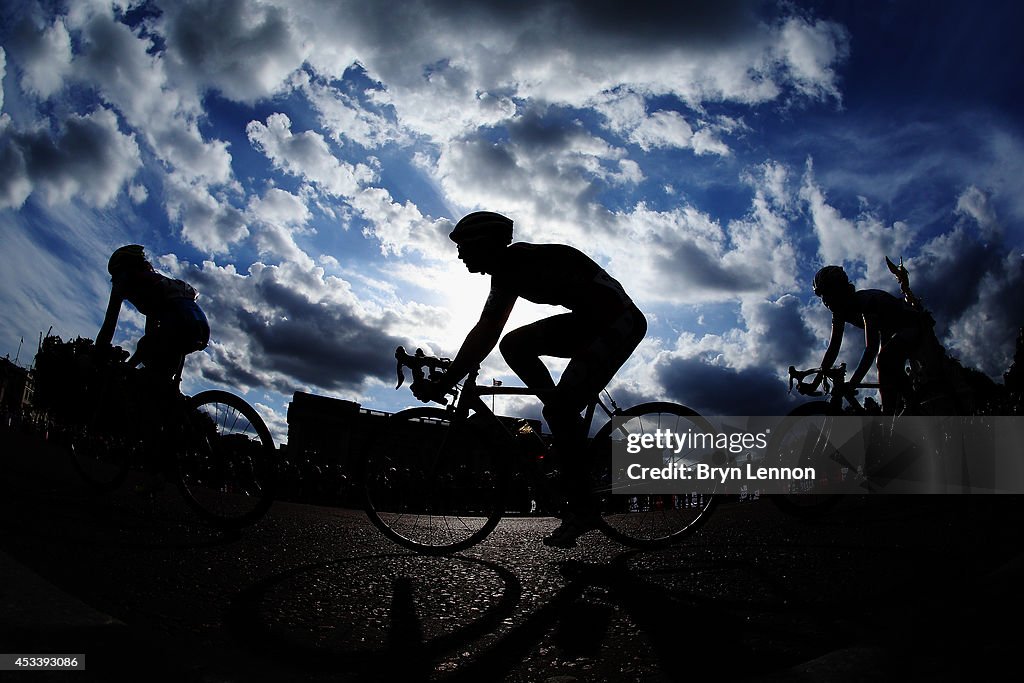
{"x":558,"y":275}
{"x":175,"y":324}
{"x":600,"y":331}
{"x":897,"y":332}
{"x":888,"y":313}
{"x":150,"y":292}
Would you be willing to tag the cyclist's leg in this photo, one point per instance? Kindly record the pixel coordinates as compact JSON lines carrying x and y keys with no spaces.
{"x":147,"y":384}
{"x":179,"y":330}
{"x":156,"y":379}
{"x":150,"y":395}
{"x":560,"y":336}
{"x":894,"y":384}
{"x":161,"y":353}
{"x":596,"y":349}
{"x":587,"y":373}
{"x":156,"y":352}
{"x":594,"y":365}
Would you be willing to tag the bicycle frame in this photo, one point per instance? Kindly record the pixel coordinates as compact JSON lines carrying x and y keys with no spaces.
{"x":888,"y":459}
{"x":471,"y":398}
{"x":434,"y":503}
{"x":470,"y":395}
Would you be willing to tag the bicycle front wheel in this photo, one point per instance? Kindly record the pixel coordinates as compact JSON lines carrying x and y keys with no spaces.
{"x":104,"y":445}
{"x":432,"y":485}
{"x":804,"y":439}
{"x":100,"y":457}
{"x":642,"y":520}
{"x":226,"y":464}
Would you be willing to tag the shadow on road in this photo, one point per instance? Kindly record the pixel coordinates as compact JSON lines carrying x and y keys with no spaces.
{"x":408,"y":617}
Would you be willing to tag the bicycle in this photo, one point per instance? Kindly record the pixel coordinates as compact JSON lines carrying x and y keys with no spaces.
{"x":435,"y":480}
{"x":213,"y":446}
{"x":810,"y":435}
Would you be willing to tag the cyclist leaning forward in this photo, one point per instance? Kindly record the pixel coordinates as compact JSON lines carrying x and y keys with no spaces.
{"x":597,"y":335}
{"x":175,"y":325}
{"x":894,"y":332}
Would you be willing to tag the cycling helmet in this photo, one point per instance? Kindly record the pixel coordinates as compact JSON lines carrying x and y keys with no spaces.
{"x":128,"y":256}
{"x":831,"y":280}
{"x":481,"y":227}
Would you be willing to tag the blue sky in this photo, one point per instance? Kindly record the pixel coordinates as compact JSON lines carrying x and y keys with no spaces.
{"x":301,"y":163}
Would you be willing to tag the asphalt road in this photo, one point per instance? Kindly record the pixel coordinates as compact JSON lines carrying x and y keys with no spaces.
{"x":883,"y":587}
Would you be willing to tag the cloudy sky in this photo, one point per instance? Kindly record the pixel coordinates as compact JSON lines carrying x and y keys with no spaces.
{"x":301,"y":163}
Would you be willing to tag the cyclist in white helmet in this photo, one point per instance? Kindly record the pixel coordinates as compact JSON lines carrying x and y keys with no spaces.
{"x":598,"y":333}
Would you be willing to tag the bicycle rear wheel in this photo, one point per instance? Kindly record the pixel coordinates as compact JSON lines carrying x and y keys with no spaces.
{"x":431,"y":485}
{"x":226,"y":463}
{"x":804,"y":439}
{"x":644,"y":520}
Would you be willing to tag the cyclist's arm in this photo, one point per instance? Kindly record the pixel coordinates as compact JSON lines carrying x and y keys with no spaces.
{"x":872,"y":341}
{"x":106,"y":334}
{"x":835,"y":342}
{"x":484,"y":336}
{"x":151,"y":327}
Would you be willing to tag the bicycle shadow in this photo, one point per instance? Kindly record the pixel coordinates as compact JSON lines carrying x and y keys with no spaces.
{"x":457,"y":618}
{"x":381,"y":617}
{"x":622,"y":618}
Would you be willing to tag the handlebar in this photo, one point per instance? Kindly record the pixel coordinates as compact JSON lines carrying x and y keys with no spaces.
{"x":417,"y":363}
{"x":832,"y":377}
{"x":424,"y":368}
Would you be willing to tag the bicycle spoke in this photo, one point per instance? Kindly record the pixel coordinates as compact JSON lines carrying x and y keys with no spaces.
{"x":226,"y":465}
{"x":643,"y":519}
{"x":804,"y":439}
{"x":428,"y":487}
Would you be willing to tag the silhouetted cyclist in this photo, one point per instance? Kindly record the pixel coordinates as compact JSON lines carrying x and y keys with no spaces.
{"x":175,"y":325}
{"x":894,"y":331}
{"x":597,"y":335}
